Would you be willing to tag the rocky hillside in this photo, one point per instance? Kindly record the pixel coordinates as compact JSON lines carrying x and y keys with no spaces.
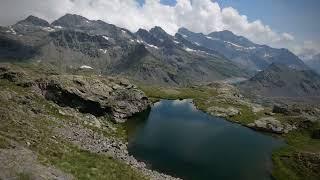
{"x":73,"y":41}
{"x":63,"y":126}
{"x":242,"y":51}
{"x":279,"y":80}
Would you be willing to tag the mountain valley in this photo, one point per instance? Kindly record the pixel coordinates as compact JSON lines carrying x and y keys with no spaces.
{"x":69,"y":89}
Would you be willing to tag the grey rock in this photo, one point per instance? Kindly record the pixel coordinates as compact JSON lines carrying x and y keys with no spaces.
{"x":223,"y":112}
{"x":282,"y":109}
{"x":98,"y":143}
{"x":271,"y":124}
{"x":94,"y":95}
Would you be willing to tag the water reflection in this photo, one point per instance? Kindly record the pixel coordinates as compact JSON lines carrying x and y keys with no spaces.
{"x":176,"y":138}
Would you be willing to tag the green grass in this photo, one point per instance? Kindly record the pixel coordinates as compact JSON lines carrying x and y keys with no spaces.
{"x":177,"y":93}
{"x":24,"y":176}
{"x":246,"y":115}
{"x":285,"y":161}
{"x":85,"y":165}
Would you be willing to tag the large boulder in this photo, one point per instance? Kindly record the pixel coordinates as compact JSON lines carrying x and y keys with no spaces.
{"x":223,"y":112}
{"x":95,"y":95}
{"x":281,"y":109}
{"x":270,"y":124}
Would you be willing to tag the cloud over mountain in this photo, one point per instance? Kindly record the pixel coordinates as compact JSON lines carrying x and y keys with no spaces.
{"x":197,"y":15}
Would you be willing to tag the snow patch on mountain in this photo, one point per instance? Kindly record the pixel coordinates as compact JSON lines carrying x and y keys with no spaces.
{"x":85,"y":67}
{"x":152,"y":46}
{"x":239,"y":47}
{"x":49,"y":29}
{"x":106,"y":38}
{"x":190,"y":50}
{"x":104,"y":51}
{"x":215,"y":39}
{"x":58,"y":27}
{"x":12,"y":31}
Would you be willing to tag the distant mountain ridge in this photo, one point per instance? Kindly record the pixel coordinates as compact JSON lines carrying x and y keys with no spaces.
{"x":279,"y":80}
{"x":242,"y":51}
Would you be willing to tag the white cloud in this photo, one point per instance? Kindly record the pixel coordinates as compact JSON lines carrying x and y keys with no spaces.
{"x":197,"y":15}
{"x":307,"y":50}
{"x":288,"y":37}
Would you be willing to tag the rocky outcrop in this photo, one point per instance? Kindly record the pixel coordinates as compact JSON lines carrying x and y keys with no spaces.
{"x":270,"y":124}
{"x":296,"y":110}
{"x":223,"y":112}
{"x":283,"y":109}
{"x":95,"y":95}
{"x":309,"y":160}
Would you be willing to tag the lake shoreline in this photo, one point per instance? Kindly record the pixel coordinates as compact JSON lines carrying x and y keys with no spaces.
{"x":182,"y":123}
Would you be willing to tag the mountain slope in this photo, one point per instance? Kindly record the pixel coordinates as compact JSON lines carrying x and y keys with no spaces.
{"x":189,"y":62}
{"x":242,"y":51}
{"x":154,"y":56}
{"x":279,"y":80}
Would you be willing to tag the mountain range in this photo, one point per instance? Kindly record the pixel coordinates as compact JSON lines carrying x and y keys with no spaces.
{"x":152,"y":56}
{"x":242,"y":51}
{"x":73,"y":41}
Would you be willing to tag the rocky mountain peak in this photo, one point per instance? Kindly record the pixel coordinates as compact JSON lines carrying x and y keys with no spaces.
{"x":71,"y":20}
{"x":159,"y":33}
{"x":229,"y":36}
{"x":182,"y":30}
{"x":157,"y":29}
{"x":222,"y":33}
{"x":33,"y":20}
{"x":186,"y":32}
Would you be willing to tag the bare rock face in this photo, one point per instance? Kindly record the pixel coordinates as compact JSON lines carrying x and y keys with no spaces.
{"x":99,"y":96}
{"x":95,"y":95}
{"x":223,"y":112}
{"x":270,"y":124}
{"x":282,"y":109}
